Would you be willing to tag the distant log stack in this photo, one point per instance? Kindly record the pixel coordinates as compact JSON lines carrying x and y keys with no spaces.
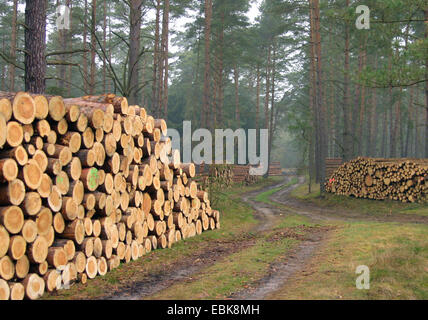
{"x":404,"y":180}
{"x":331,"y":165}
{"x":86,"y":184}
{"x":241,"y":174}
{"x":275,"y":169}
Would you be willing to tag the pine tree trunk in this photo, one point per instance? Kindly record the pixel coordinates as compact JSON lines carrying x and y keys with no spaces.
{"x":410,"y":124}
{"x":426,"y":87}
{"x":105,"y":45}
{"x":93,"y":44}
{"x":313,"y":73}
{"x":272,"y":107}
{"x":258,"y":99}
{"x":165,"y":36}
{"x":347,"y":135}
{"x":207,"y":77}
{"x":13,"y":46}
{"x":320,"y":106}
{"x":221,"y":71}
{"x":236,"y":81}
{"x":70,"y":47}
{"x":134,"y":50}
{"x":373,"y":122}
{"x":362,"y":106}
{"x":35,"y":46}
{"x":267,"y":87}
{"x":155,"y":101}
{"x":85,"y":47}
{"x":3,"y":69}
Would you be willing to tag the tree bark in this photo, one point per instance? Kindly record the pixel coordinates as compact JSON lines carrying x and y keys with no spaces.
{"x":165,"y":37}
{"x":266,"y":126}
{"x":258,"y":99}
{"x":93,"y":44}
{"x":134,"y":50}
{"x":236,"y":81}
{"x":155,"y":102}
{"x":35,"y":46}
{"x":347,"y":136}
{"x":426,"y":87}
{"x":207,"y":77}
{"x":105,"y":45}
{"x":85,"y":46}
{"x":13,"y":46}
{"x":320,"y":106}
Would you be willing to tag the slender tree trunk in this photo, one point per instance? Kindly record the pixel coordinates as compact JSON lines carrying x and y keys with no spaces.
{"x":161,"y":70}
{"x":35,"y":46}
{"x":320,"y":106}
{"x":63,"y":44}
{"x":143,"y":80}
{"x":384,"y":132}
{"x":362,"y":106}
{"x":207,"y":77}
{"x":347,"y":135}
{"x":93,"y":45}
{"x":417,"y":125}
{"x":221,"y":70}
{"x":272,"y":107}
{"x":355,"y":110}
{"x":134,"y":50}
{"x":236,"y":80}
{"x":426,"y":86}
{"x":13,"y":46}
{"x":3,"y":69}
{"x":410,"y":124}
{"x":313,"y":97}
{"x":373,"y":125}
{"x":267,"y":87}
{"x":85,"y":47}
{"x":165,"y":36}
{"x":258,"y":99}
{"x":105,"y":45}
{"x":70,"y":47}
{"x":155,"y":89}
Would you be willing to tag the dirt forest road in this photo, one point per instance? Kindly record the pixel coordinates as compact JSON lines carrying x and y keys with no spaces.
{"x":295,"y":262}
{"x":268,"y":214}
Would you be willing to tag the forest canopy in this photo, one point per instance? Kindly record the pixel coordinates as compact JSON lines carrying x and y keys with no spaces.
{"x":301,"y":69}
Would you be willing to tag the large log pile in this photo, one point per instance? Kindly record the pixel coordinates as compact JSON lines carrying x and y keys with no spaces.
{"x":86,"y":184}
{"x":379,"y":179}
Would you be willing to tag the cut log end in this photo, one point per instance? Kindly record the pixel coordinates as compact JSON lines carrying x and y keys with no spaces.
{"x":24,"y":108}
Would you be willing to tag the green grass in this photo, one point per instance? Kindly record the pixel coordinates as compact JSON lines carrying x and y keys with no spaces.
{"x":397,"y":255}
{"x":232,"y":274}
{"x":265,"y":196}
{"x":371,"y":207}
{"x":237,"y":221}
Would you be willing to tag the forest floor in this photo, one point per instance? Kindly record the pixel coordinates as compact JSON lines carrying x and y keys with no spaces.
{"x":279,"y":242}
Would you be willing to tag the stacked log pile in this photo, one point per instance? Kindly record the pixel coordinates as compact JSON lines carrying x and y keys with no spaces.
{"x":331,"y":165}
{"x":275,"y":169}
{"x":241,"y":174}
{"x":403,"y":180}
{"x":86,"y":184}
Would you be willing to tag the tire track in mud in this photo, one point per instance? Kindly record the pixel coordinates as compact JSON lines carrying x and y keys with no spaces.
{"x":187,"y":267}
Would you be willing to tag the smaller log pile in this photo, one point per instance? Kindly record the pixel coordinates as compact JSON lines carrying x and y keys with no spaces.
{"x":221,"y":174}
{"x":275,"y":169}
{"x":87,"y":183}
{"x":331,"y":165}
{"x":241,"y":174}
{"x":402,"y":180}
